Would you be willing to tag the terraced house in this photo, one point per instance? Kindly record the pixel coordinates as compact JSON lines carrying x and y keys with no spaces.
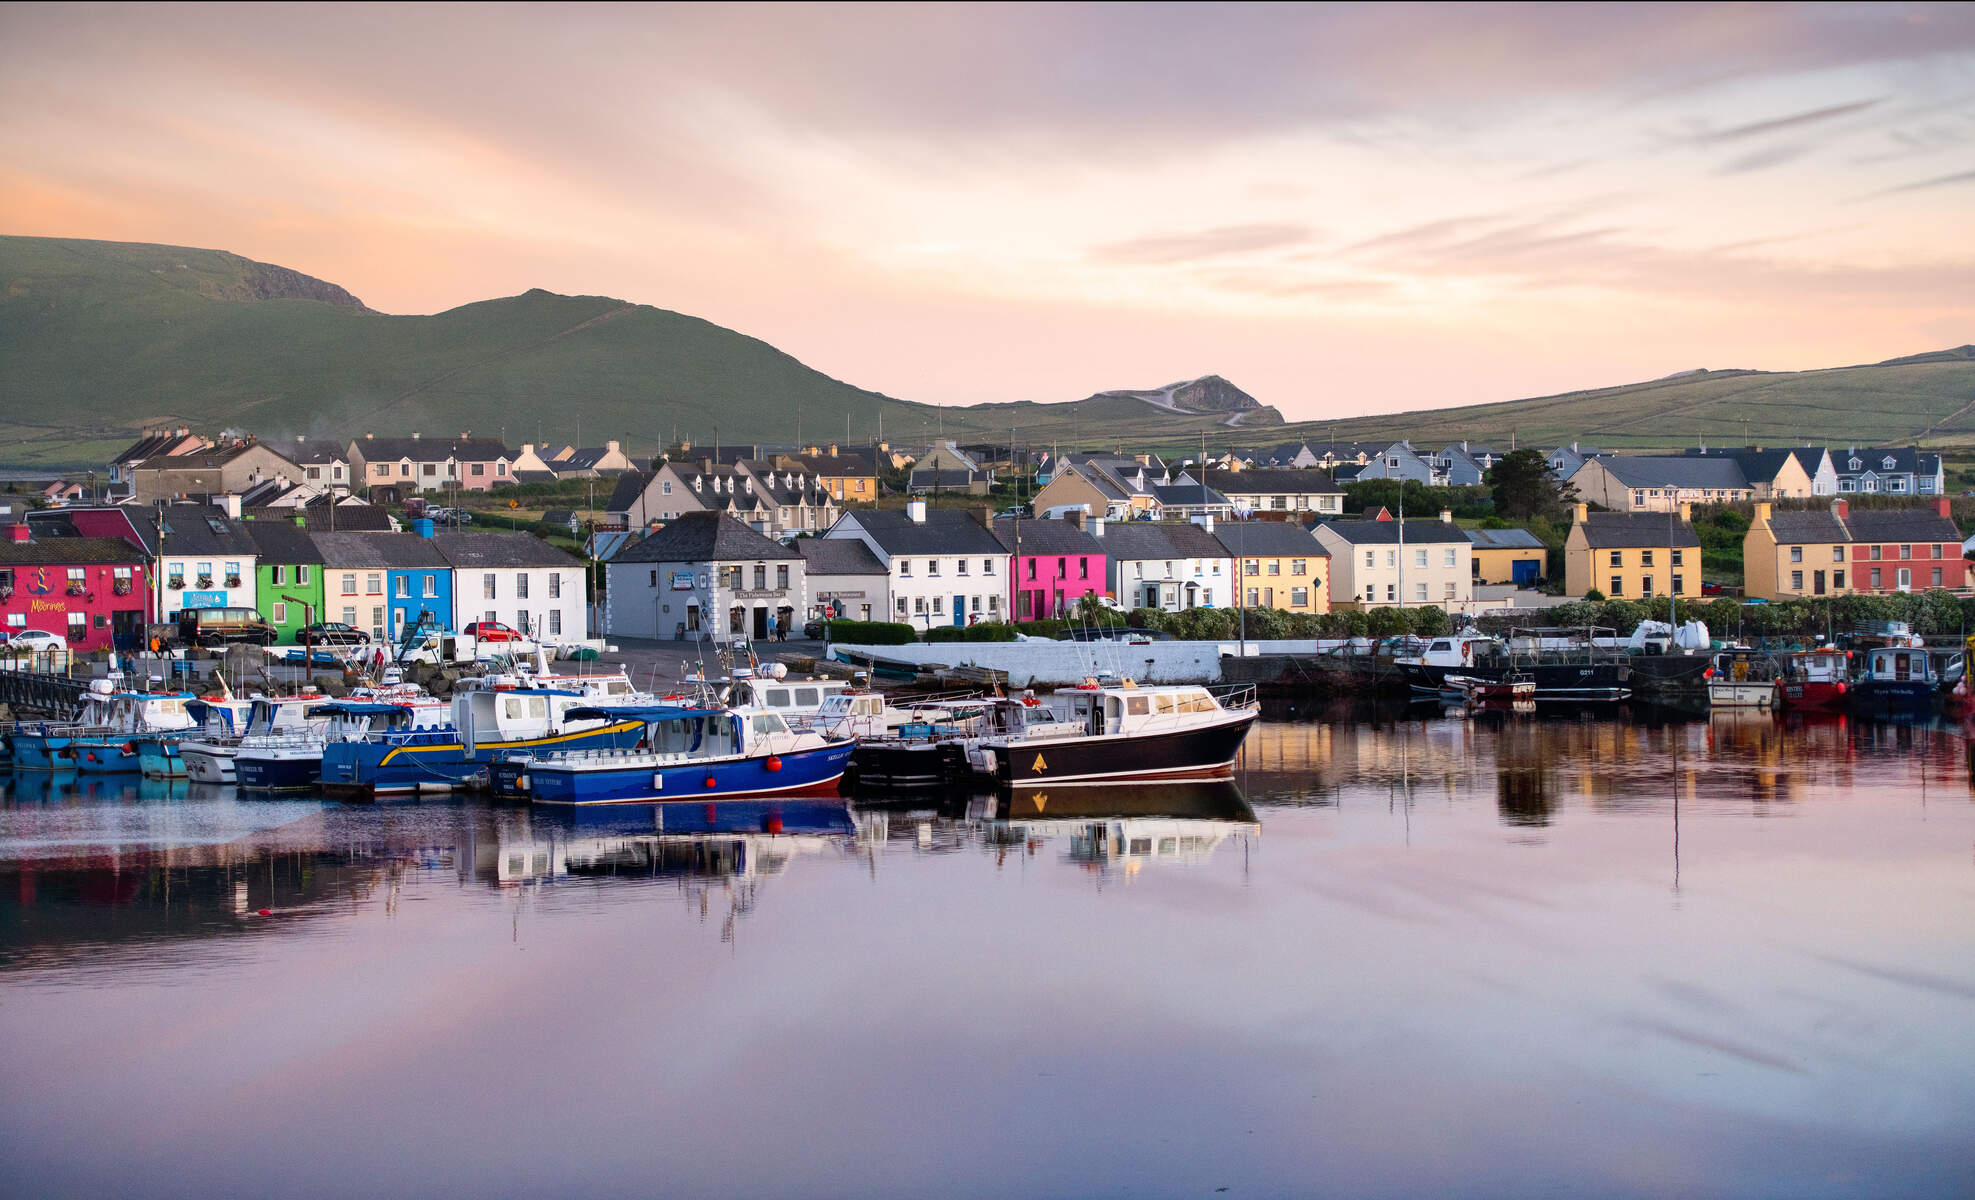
{"x":1277,"y":564}
{"x":1632,"y":555}
{"x":1839,"y":551}
{"x":943,"y":566}
{"x":1167,"y":565}
{"x":765,"y":497}
{"x":1662,"y":483}
{"x":421,"y":464}
{"x":1278,"y":490}
{"x":1382,"y":561}
{"x":1891,"y":471}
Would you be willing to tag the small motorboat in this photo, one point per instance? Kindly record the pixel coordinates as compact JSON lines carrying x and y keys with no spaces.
{"x":1815,"y":680}
{"x":1738,"y":677}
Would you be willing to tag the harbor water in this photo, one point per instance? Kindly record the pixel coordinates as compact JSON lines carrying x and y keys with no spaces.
{"x":1399,"y":955}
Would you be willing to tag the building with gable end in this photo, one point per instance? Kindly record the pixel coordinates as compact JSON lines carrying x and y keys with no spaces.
{"x":943,"y":566}
{"x":1840,"y":550}
{"x":703,"y":576}
{"x":1277,"y":564}
{"x":1633,"y":555}
{"x":421,"y":464}
{"x":1381,"y":561}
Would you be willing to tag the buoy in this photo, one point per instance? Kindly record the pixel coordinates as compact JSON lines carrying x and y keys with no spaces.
{"x":265,"y":912}
{"x":774,"y":763}
{"x":709,"y":781}
{"x":774,"y":824}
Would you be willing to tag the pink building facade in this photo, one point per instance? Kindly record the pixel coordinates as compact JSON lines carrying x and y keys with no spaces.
{"x":1052,"y":566}
{"x":92,"y":591}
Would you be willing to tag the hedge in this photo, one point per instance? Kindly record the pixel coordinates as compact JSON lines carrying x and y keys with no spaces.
{"x":993,"y":632}
{"x":870,"y":633}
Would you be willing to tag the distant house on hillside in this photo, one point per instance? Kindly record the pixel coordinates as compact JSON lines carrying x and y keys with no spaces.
{"x":222,"y":470}
{"x":1660,"y":483}
{"x":156,"y":443}
{"x":419,"y":463}
{"x":1400,"y":461}
{"x":1889,"y":471}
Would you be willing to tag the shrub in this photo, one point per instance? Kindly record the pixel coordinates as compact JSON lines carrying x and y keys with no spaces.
{"x":994,"y":632}
{"x":1594,"y":596}
{"x":870,"y":633}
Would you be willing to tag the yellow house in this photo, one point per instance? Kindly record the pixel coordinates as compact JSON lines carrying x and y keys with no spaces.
{"x":1508,"y":556}
{"x":1835,"y":551}
{"x":847,"y":477}
{"x":1277,"y":564}
{"x":1630,"y":556}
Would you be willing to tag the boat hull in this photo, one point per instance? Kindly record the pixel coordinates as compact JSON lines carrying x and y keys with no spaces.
{"x":36,"y":751}
{"x":908,"y":766}
{"x":442,"y":765}
{"x":1812,"y":695}
{"x":1892,"y":695}
{"x":1200,"y":752}
{"x":206,"y":762}
{"x":1741,"y":695}
{"x":103,"y":756}
{"x":814,"y":772}
{"x":160,"y":758}
{"x":289,"y":772}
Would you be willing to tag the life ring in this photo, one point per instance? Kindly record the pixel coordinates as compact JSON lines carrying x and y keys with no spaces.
{"x":1031,"y":702}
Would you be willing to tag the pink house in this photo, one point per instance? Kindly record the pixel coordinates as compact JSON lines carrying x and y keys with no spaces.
{"x":422,"y":464}
{"x":89,"y":590}
{"x":1052,"y":565}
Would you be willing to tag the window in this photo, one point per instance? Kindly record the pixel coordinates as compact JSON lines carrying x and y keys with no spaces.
{"x":1062,"y":566}
{"x":932,"y":568}
{"x":1419,"y":592}
{"x":429,"y":587}
{"x":1299,"y":597}
{"x":1877,"y":552}
{"x":1906,"y":551}
{"x":1251,"y":566}
{"x":1796,"y":581}
{"x":279,"y":576}
{"x":1391,"y":592}
{"x":1083,"y":568}
{"x":490,"y":591}
{"x":1368,"y":560}
{"x":374,"y":583}
{"x":349,"y":588}
{"x":959,"y":566}
{"x":1254,"y":598}
{"x":1646,"y":585}
{"x":919,"y":605}
{"x":654,"y":577}
{"x":1937,"y":577}
{"x":905,"y":569}
{"x":901,"y":606}
{"x":939,"y":606}
{"x":1299,"y":566}
{"x":479,"y":468}
{"x":176,"y":574}
{"x":1419,"y":558}
{"x":500,"y":468}
{"x":78,"y":625}
{"x":665,"y":487}
{"x":1447,"y":558}
{"x":555,"y":622}
{"x":404,"y":470}
{"x":1796,"y":554}
{"x":430,"y":468}
{"x":1391,"y":559}
{"x":520,"y":585}
{"x":1878,"y":580}
{"x":1906,"y":578}
{"x":1838,"y":580}
{"x":1618,"y":586}
{"x":521,"y":621}
{"x":1837,"y":554}
{"x":349,"y":615}
{"x":1679,"y":558}
{"x":1679,"y":585}
{"x":987,"y":566}
{"x":302,"y":575}
{"x":280,"y":613}
{"x":1618,"y":558}
{"x":760,"y":577}
{"x":401,"y":586}
{"x":377,"y":620}
{"x":315,"y":472}
{"x":1275,"y":566}
{"x":1450,"y":591}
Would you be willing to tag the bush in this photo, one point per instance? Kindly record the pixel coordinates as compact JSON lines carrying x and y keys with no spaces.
{"x":994,"y":632}
{"x":1594,"y":595}
{"x":870,"y":633}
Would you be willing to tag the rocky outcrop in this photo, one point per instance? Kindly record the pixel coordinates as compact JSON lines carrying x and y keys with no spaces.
{"x":265,"y":281}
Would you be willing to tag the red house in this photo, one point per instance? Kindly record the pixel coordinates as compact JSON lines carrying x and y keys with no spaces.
{"x":1052,"y":565}
{"x":92,"y":591}
{"x":1903,"y":549}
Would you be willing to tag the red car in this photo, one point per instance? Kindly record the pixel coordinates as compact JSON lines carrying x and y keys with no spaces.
{"x":491,"y":631}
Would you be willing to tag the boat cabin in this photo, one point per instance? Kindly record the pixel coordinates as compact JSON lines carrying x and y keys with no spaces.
{"x":1826,"y":664}
{"x":494,"y":716}
{"x":139,"y":712}
{"x":1129,"y":709}
{"x":1899,"y":664}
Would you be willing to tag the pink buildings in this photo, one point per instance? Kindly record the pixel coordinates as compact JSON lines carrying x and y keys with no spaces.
{"x":1052,"y":565}
{"x":422,"y":464}
{"x":90,"y":590}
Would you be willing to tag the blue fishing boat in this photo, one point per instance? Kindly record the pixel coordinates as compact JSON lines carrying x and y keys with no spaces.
{"x":291,"y":761}
{"x":486,"y":726}
{"x":1895,"y":679}
{"x":684,"y":752}
{"x":103,"y":741}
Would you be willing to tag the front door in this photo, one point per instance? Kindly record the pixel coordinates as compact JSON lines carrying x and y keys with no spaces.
{"x":127,"y":629}
{"x":960,"y":610}
{"x":1817,"y":583}
{"x":761,"y":623}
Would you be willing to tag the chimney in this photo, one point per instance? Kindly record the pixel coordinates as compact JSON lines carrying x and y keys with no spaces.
{"x":1205,"y":521}
{"x":1580,"y":513}
{"x":21,"y":532}
{"x":1841,"y":509}
{"x":1080,"y":518}
{"x":414,"y":437}
{"x":422,"y":527}
{"x":230,"y":503}
{"x":1944,"y":506}
{"x":1686,"y":512}
{"x":611,"y":446}
{"x":368,"y":436}
{"x":915,"y":511}
{"x":833,"y":449}
{"x":706,"y":466}
{"x":986,"y":514}
{"x":1446,"y":516}
{"x":1097,"y":527}
{"x":1763,"y":509}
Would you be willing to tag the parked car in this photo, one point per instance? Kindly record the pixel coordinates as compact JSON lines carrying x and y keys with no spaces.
{"x":19,"y":643}
{"x":334,"y":633}
{"x":813,"y":630}
{"x":1114,"y":633}
{"x":221,"y":626}
{"x":1710,"y":588}
{"x":491,"y":631}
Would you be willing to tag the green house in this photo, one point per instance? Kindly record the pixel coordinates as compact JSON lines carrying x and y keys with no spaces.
{"x":289,"y":574}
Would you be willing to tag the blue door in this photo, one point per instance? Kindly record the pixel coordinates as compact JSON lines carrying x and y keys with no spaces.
{"x":1524,"y":572}
{"x":960,"y":610}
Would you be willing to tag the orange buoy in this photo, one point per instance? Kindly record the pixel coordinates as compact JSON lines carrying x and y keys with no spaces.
{"x":774,"y":763}
{"x":709,"y":781}
{"x":774,"y":824}
{"x":266,"y":912}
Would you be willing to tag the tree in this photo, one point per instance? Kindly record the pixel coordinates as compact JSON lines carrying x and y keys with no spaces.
{"x":1525,"y":486}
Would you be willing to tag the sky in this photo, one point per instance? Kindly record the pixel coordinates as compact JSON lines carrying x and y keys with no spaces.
{"x":1344,"y":209}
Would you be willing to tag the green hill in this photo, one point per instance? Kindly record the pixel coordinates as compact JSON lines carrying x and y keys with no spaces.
{"x":1924,"y":398}
{"x":98,"y":339}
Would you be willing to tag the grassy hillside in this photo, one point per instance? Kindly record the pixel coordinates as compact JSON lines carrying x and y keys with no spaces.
{"x":100,"y":338}
{"x":1928,"y":398}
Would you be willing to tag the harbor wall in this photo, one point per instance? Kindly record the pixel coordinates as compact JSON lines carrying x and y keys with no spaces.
{"x":1065,"y":662}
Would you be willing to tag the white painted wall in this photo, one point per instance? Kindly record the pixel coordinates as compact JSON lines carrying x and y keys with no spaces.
{"x":545,"y":603}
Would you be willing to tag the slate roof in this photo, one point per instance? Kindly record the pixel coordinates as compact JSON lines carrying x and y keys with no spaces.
{"x":944,"y":531}
{"x":586,"y":459}
{"x":1677,"y":471}
{"x":1044,"y":537}
{"x":1920,"y":523}
{"x":279,"y":541}
{"x":1257,"y":539}
{"x":943,"y":478}
{"x":322,"y":518}
{"x":1271,"y":481}
{"x":560,"y":516}
{"x":508,"y":549}
{"x":1196,"y":495}
{"x":541,"y":477}
{"x":1758,"y":466}
{"x":69,"y":550}
{"x":1810,"y":458}
{"x":1386,"y":533}
{"x":1619,"y":531}
{"x":399,"y":551}
{"x":425,"y":449}
{"x":203,"y":460}
{"x":313,"y":452}
{"x":703,"y":537}
{"x":1504,"y":539}
{"x":838,"y":556}
{"x":834,"y":465}
{"x":630,"y":485}
{"x":193,"y":529}
{"x":1159,"y":539}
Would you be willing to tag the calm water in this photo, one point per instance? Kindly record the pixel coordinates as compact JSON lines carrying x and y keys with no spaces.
{"x":1519,"y":958}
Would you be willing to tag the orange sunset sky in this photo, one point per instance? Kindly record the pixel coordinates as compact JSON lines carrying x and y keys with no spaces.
{"x":1342,"y":209}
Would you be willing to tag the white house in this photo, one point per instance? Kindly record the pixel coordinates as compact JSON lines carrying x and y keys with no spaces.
{"x":1278,"y":489}
{"x":207,"y":558}
{"x":704,"y":576}
{"x":1376,"y":563}
{"x":518,"y":580}
{"x":1166,"y":565}
{"x":943,"y":566}
{"x":846,"y":579}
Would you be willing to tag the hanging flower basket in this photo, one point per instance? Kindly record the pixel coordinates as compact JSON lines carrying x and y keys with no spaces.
{"x":175,"y":583}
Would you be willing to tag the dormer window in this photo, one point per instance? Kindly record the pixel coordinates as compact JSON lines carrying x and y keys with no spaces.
{"x":696,"y":482}
{"x":1856,"y":464}
{"x":1887,"y":462}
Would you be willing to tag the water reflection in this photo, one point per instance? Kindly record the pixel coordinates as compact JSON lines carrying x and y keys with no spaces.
{"x":1651,"y":953}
